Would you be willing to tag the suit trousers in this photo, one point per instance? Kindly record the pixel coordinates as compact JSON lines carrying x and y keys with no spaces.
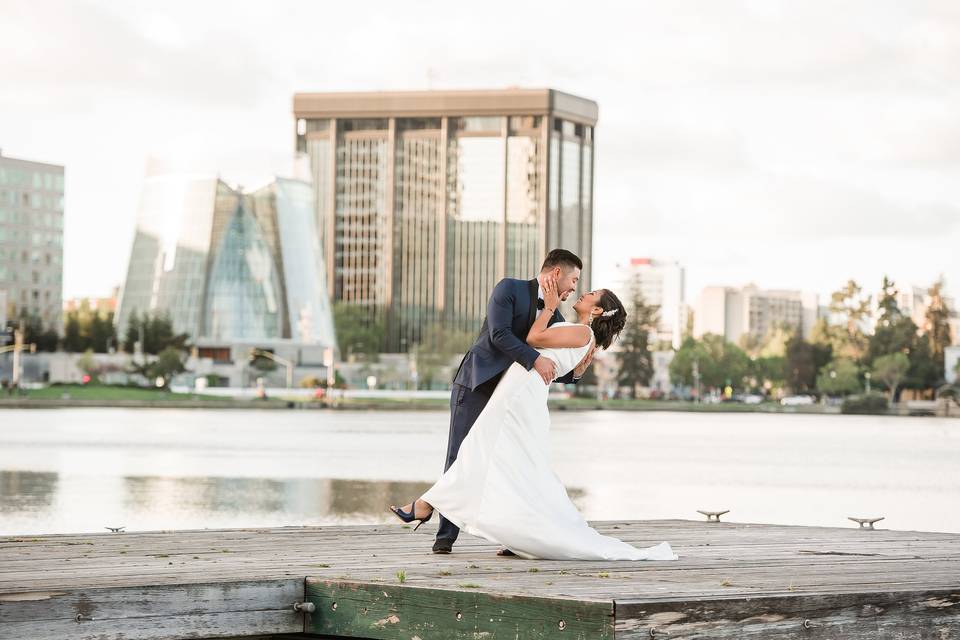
{"x":465,"y":407}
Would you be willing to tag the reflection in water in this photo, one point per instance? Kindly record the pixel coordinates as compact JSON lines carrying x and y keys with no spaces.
{"x":26,"y":490}
{"x":88,"y":503}
{"x":326,"y":499}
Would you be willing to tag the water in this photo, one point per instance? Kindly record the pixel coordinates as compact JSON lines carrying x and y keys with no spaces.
{"x":80,"y":470}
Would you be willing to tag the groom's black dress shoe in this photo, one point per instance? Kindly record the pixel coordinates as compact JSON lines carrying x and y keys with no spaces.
{"x":442,"y":546}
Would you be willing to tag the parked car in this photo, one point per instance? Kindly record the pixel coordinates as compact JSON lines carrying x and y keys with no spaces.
{"x":752,"y":398}
{"x":796,"y":401}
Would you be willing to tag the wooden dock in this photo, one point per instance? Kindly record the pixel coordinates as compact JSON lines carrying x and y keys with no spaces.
{"x":732,"y":581}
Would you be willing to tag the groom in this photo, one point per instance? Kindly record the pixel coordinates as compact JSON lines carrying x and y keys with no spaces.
{"x":512,"y":309}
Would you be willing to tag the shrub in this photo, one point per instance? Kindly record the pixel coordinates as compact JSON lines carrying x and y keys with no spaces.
{"x":868,"y":403}
{"x":949,"y":392}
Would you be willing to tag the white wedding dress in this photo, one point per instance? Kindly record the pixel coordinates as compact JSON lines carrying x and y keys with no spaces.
{"x":501,"y":486}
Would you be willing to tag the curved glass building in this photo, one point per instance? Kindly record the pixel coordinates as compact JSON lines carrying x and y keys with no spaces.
{"x":425,"y":199}
{"x":228,"y":265}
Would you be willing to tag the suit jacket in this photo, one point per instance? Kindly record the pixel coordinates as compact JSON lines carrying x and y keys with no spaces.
{"x":511,"y":311}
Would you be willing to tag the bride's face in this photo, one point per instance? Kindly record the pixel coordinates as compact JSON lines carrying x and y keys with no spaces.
{"x":589,"y":302}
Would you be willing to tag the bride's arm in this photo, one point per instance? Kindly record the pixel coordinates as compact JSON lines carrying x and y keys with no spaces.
{"x":541,"y":335}
{"x":558,"y":337}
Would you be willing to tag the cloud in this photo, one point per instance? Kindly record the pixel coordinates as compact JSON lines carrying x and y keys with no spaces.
{"x":734,"y":136}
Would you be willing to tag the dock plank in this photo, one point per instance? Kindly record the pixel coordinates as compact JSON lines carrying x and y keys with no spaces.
{"x":732,"y":580}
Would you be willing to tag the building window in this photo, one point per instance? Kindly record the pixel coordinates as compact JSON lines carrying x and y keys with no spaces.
{"x":477,"y":124}
{"x":413,"y":124}
{"x":364,"y":124}
{"x":220,"y":355}
{"x":524,"y":123}
{"x":315,"y":124}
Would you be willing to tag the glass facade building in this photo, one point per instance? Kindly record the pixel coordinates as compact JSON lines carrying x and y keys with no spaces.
{"x":31,"y":241}
{"x":424,"y":200}
{"x":227,"y":265}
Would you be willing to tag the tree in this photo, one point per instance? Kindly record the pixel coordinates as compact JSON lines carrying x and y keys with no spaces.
{"x":937,"y":326}
{"x":890,"y":370}
{"x":262,"y":363}
{"x":132,"y":335}
{"x":155,"y":331}
{"x":894,"y":331}
{"x":357,"y":333}
{"x":803,"y":361}
{"x":634,"y":358}
{"x":103,"y":333}
{"x":169,"y":363}
{"x":89,"y":366}
{"x":840,"y":377}
{"x":86,"y":328}
{"x":72,"y":342}
{"x":768,"y":369}
{"x":718,"y":362}
{"x":771,"y":344}
{"x":887,"y":303}
{"x":925,"y":372}
{"x":159,"y":334}
{"x":435,"y":351}
{"x":35,"y":333}
{"x":852,"y":308}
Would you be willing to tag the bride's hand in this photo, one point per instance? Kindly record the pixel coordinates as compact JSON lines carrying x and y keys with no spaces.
{"x":551,"y":295}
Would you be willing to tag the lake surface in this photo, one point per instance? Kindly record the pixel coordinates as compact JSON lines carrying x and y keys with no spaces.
{"x":80,"y":470}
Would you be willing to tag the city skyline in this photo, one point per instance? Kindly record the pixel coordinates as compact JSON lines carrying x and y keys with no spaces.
{"x":795,"y":169}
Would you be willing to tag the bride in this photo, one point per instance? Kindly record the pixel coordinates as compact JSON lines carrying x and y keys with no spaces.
{"x":501,"y":486}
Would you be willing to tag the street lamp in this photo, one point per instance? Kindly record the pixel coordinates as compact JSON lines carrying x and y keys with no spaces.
{"x":272,"y":356}
{"x":867,"y":376}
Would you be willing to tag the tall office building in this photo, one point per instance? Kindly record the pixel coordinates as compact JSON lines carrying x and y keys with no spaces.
{"x":426,"y":199}
{"x":227,"y":265}
{"x":732,"y":312}
{"x":31,"y":240}
{"x":661,"y":283}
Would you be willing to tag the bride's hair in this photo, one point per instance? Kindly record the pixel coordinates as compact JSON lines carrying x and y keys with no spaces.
{"x":609,"y":324}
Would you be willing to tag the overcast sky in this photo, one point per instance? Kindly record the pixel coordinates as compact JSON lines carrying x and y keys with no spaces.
{"x":791,"y":144}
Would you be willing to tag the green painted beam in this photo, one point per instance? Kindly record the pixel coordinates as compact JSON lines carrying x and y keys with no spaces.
{"x":378,"y":611}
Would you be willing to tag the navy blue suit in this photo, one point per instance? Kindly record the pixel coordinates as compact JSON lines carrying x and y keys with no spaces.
{"x":511,"y":311}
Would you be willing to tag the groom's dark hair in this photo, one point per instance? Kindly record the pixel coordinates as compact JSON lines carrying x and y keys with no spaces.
{"x":561,"y":258}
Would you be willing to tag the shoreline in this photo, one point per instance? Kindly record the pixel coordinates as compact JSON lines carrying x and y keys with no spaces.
{"x":385,"y":404}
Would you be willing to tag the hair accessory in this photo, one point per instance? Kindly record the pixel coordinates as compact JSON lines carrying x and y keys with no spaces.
{"x":607,"y":314}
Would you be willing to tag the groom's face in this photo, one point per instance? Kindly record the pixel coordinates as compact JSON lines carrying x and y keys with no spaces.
{"x":566,"y":281}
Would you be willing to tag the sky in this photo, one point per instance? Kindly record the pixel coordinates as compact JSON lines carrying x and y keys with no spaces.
{"x":793,"y":145}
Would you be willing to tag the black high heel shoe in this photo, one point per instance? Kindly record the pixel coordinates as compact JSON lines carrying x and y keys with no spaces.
{"x":411,"y":516}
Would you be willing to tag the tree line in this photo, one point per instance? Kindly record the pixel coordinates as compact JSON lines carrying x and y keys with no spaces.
{"x":841,"y":357}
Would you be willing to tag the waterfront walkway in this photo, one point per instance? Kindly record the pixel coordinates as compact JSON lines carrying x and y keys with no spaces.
{"x":732,"y":581}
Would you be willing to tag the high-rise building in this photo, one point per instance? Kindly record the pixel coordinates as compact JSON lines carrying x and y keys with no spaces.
{"x":229,"y":265}
{"x":31,"y":240}
{"x":661,"y":283}
{"x":732,"y":312}
{"x":424,"y":200}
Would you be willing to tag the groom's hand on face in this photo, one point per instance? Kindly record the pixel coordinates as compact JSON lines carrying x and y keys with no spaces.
{"x":546,"y":368}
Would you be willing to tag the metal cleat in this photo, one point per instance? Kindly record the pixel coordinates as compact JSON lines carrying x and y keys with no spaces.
{"x":865,"y":523}
{"x":713,"y":516}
